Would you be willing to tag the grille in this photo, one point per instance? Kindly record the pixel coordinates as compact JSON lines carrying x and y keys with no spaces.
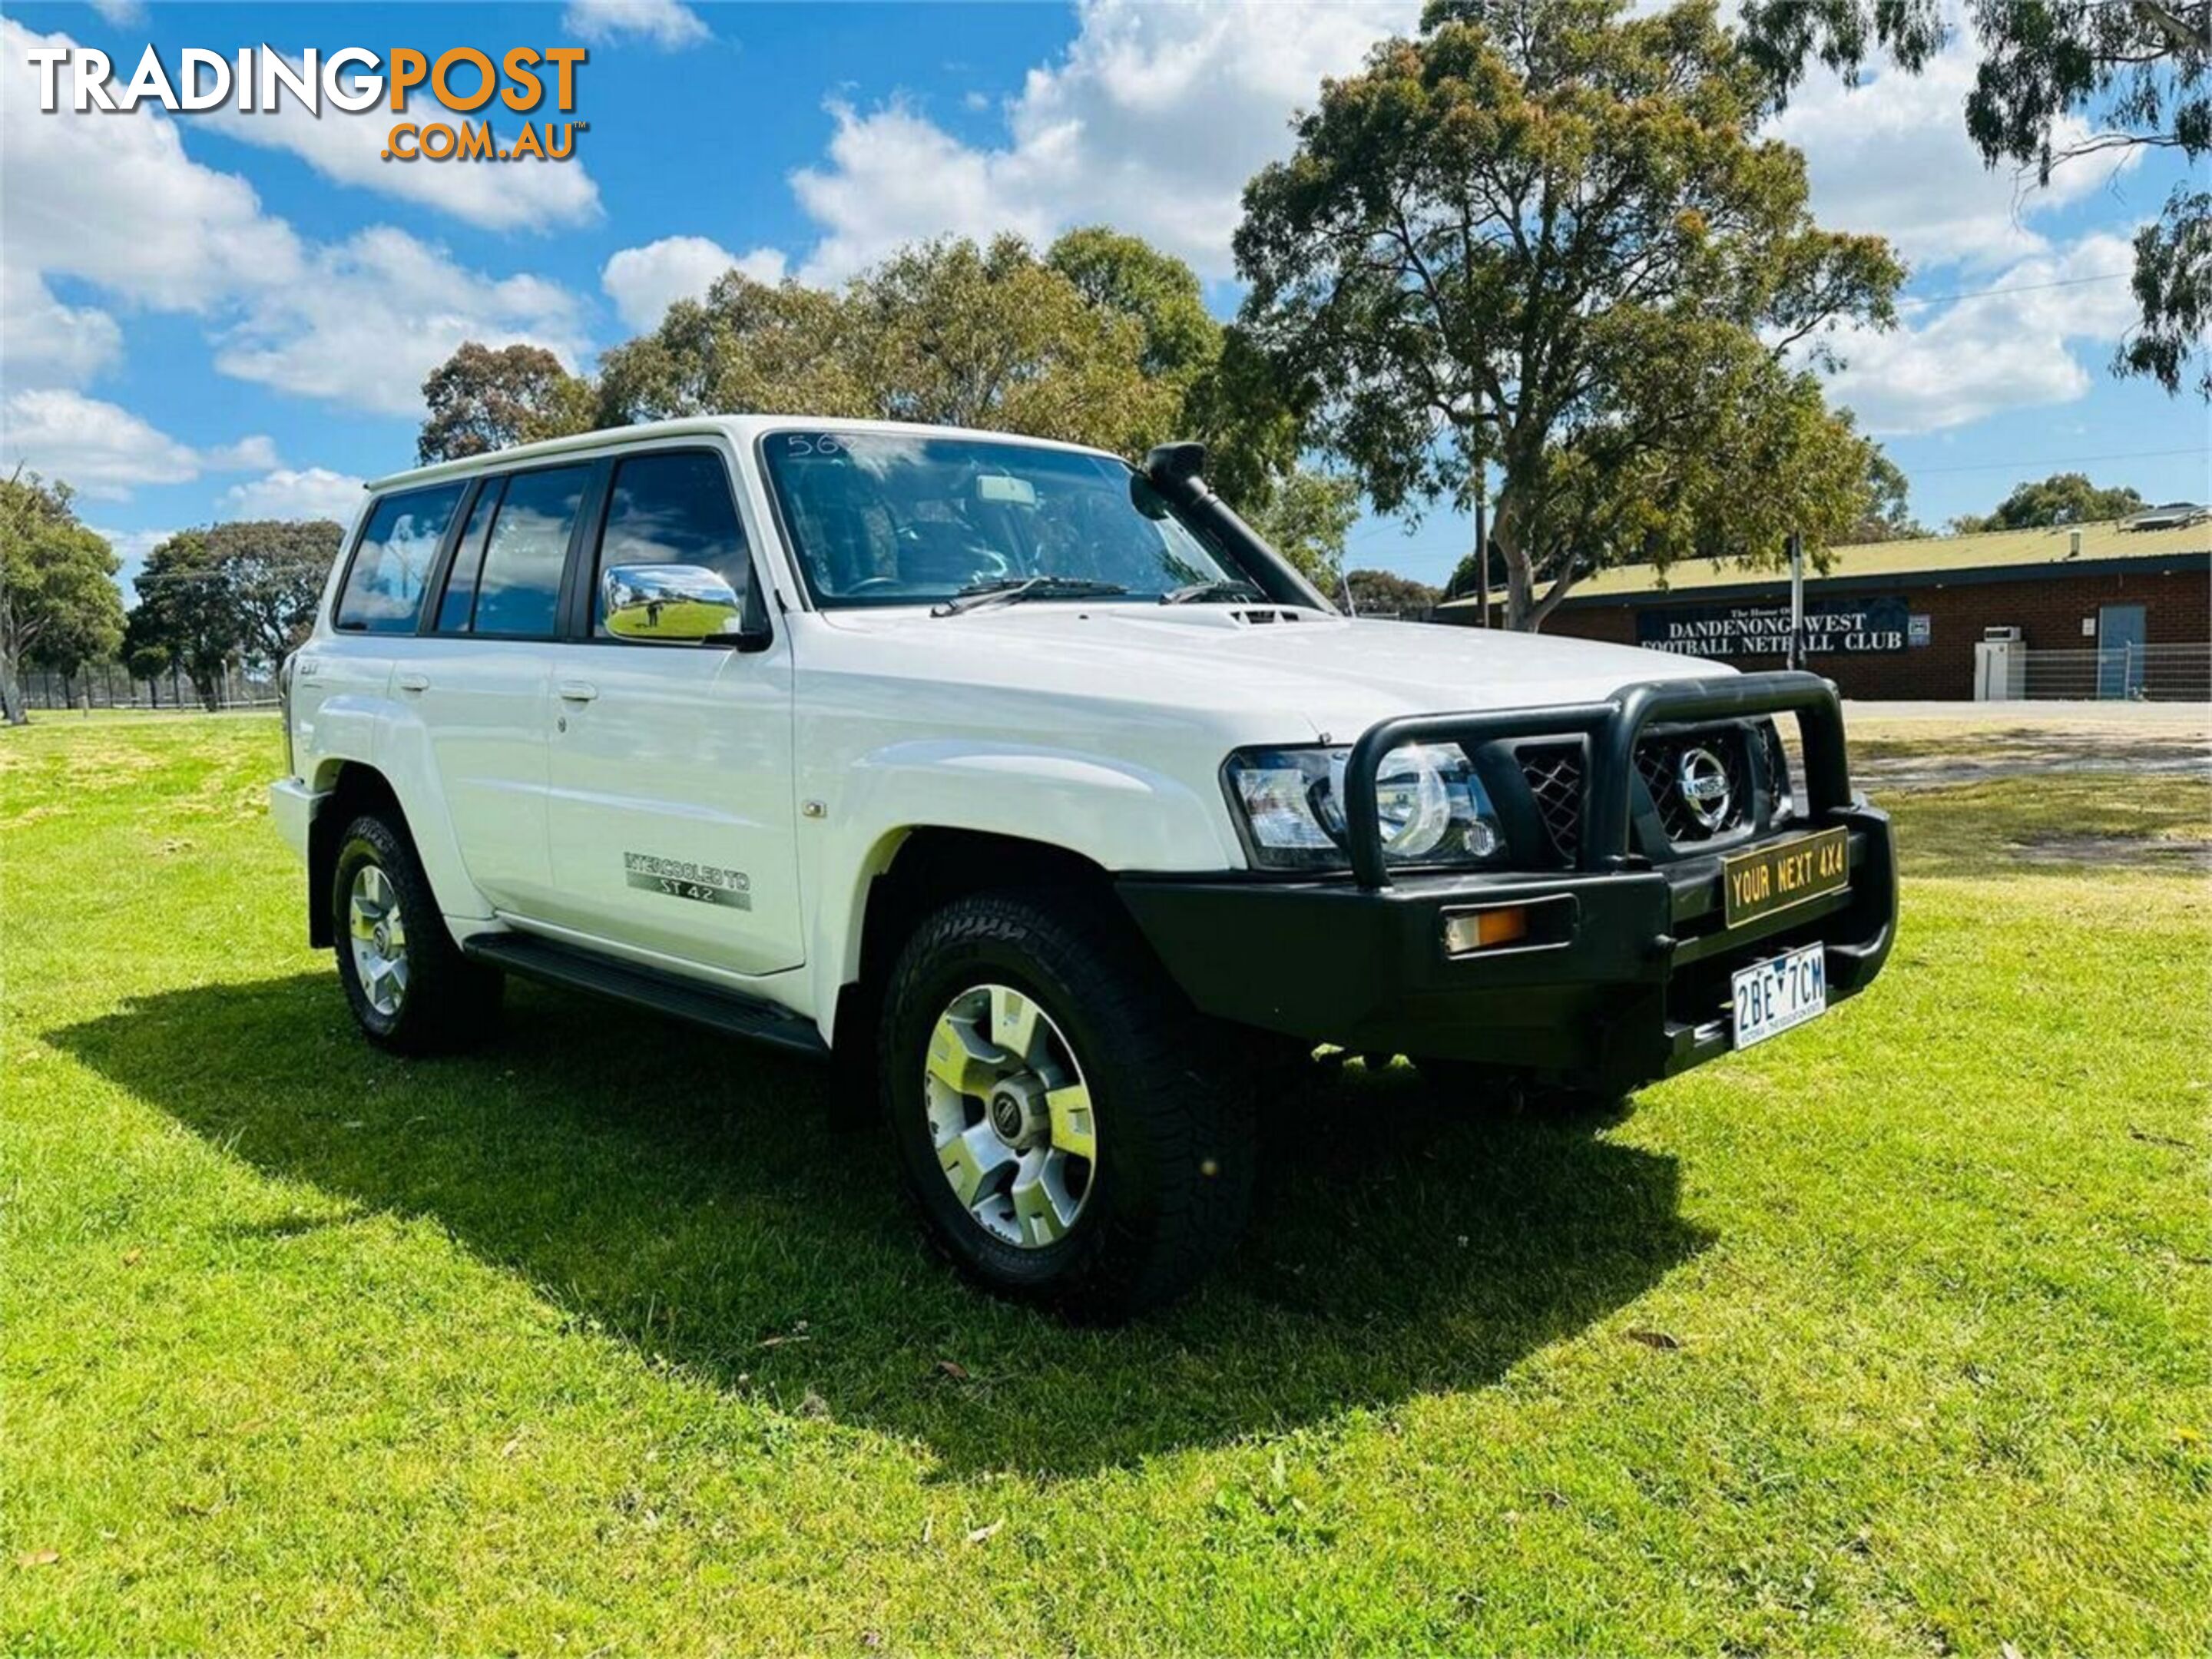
{"x":1554,"y":775}
{"x":1777,"y":771}
{"x":1659,"y":760}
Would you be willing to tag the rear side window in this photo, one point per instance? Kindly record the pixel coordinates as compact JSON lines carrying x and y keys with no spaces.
{"x":519,"y":591}
{"x":384,"y":587}
{"x":460,"y":603}
{"x":672,"y":508}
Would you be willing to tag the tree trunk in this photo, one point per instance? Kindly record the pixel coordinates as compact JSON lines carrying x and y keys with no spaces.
{"x":211,"y":692}
{"x":1545,"y":607}
{"x":11,"y":697}
{"x":1520,"y":580}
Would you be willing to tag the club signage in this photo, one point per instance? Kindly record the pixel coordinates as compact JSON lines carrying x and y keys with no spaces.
{"x":1833,"y":628}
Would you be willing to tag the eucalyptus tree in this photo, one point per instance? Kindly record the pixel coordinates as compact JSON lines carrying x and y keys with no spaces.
{"x":2059,"y":81}
{"x":1544,"y":239}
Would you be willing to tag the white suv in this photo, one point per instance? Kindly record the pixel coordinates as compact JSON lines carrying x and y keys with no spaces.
{"x":1046,"y":797}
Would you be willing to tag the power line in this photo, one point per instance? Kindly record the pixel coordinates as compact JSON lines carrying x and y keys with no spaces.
{"x":2016,"y":288}
{"x":2065,"y":460}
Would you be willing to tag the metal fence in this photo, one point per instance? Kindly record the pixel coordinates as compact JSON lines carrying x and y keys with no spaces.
{"x":109,"y":686}
{"x":2139,"y":674}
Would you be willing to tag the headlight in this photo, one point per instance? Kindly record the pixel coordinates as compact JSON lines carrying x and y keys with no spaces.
{"x":1432,"y":808}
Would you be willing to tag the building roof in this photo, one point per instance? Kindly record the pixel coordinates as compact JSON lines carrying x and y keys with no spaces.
{"x":1921,"y":556}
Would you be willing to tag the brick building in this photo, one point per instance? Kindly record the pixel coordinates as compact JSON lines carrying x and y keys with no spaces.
{"x":2115,"y":609}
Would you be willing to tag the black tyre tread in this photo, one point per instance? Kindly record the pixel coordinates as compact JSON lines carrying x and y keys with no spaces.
{"x":452,"y":1003}
{"x":1179,"y":1107}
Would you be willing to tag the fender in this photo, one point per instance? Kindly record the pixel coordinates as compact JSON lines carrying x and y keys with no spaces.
{"x":1119,"y":815}
{"x":392,"y":739}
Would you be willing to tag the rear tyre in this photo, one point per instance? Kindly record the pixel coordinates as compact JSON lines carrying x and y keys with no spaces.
{"x":1061,"y":1118}
{"x":410,"y":989}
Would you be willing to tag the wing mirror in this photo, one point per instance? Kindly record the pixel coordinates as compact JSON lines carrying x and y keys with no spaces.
{"x":679,"y":604}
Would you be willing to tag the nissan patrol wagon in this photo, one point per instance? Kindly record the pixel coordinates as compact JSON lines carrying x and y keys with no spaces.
{"x":1042,"y":796}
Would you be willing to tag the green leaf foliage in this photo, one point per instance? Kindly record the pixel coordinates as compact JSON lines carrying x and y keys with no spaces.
{"x":1305,"y":518}
{"x":1543,"y":239}
{"x":480,"y":399}
{"x":244,"y":591}
{"x":2061,"y":498}
{"x":59,"y":607}
{"x":2137,"y":73}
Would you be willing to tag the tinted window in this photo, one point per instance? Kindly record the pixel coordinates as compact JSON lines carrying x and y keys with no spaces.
{"x":468,"y":560}
{"x":672,"y":509}
{"x":520,"y":590}
{"x":383,"y":588}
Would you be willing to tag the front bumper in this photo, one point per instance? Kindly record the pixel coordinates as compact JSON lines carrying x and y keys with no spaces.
{"x":1629,"y":983}
{"x":1624,"y":974}
{"x":292,"y":806}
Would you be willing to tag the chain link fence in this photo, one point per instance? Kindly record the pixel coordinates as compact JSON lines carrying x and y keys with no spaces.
{"x":2139,"y":674}
{"x":110,"y":685}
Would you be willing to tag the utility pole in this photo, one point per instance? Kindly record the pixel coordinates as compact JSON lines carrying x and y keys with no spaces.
{"x":1482,"y":549}
{"x":1796,"y":601}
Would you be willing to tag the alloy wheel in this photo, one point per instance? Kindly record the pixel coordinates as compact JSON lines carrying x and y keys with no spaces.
{"x":379,"y":937}
{"x":1010,"y":1116}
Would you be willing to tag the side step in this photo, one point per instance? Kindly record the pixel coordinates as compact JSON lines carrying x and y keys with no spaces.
{"x":728,"y":1011}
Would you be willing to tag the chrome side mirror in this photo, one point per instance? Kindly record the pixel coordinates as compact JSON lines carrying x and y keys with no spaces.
{"x":682,"y":603}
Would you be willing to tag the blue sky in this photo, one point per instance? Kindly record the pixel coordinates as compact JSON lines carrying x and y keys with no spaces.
{"x":218,"y":315}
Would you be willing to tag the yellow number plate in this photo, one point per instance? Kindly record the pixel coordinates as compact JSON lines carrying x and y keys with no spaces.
{"x":1770,"y":879}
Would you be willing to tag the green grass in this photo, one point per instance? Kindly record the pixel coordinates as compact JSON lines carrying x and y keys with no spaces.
{"x":1889,"y":1336}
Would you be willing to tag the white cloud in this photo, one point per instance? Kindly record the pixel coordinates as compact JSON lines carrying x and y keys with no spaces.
{"x":310,"y":492}
{"x":1998,"y":350}
{"x":121,"y":13}
{"x":104,"y":450}
{"x":1891,"y":156}
{"x":664,"y":23}
{"x":531,"y":194}
{"x":45,"y":343}
{"x":114,"y":200}
{"x":644,"y":282}
{"x":1153,"y":120}
{"x":378,"y":312}
{"x":131,"y":547}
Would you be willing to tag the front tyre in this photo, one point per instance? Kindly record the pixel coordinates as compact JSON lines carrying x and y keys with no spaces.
{"x":1060,"y":1117}
{"x":410,"y":987}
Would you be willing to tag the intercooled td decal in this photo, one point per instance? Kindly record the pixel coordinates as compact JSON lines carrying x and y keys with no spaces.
{"x":684,"y":878}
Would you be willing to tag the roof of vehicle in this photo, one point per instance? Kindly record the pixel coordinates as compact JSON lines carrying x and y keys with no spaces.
{"x":739,"y":428}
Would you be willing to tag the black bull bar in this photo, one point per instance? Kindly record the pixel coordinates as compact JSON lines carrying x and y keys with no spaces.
{"x":1612,"y":727}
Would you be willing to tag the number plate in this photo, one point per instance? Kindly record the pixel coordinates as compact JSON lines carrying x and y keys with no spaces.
{"x":1774,"y":996}
{"x":1770,"y":879}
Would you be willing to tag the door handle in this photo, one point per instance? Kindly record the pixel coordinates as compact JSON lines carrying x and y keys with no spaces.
{"x":410,"y":682}
{"x":578,"y":690}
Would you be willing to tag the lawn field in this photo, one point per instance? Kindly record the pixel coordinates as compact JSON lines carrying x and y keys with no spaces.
{"x":1889,"y":1336}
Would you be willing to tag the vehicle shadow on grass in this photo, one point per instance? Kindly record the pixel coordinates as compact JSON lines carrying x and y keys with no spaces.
{"x":684,"y":1194}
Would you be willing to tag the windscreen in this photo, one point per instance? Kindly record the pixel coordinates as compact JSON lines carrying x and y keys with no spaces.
{"x":886,"y":519}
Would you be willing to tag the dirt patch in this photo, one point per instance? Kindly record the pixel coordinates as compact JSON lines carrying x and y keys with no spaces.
{"x":2122,"y":851}
{"x":1981,"y":757}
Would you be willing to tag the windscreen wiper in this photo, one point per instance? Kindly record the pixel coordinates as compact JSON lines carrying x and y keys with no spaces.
{"x":1221,"y":588}
{"x":1012,"y":589}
